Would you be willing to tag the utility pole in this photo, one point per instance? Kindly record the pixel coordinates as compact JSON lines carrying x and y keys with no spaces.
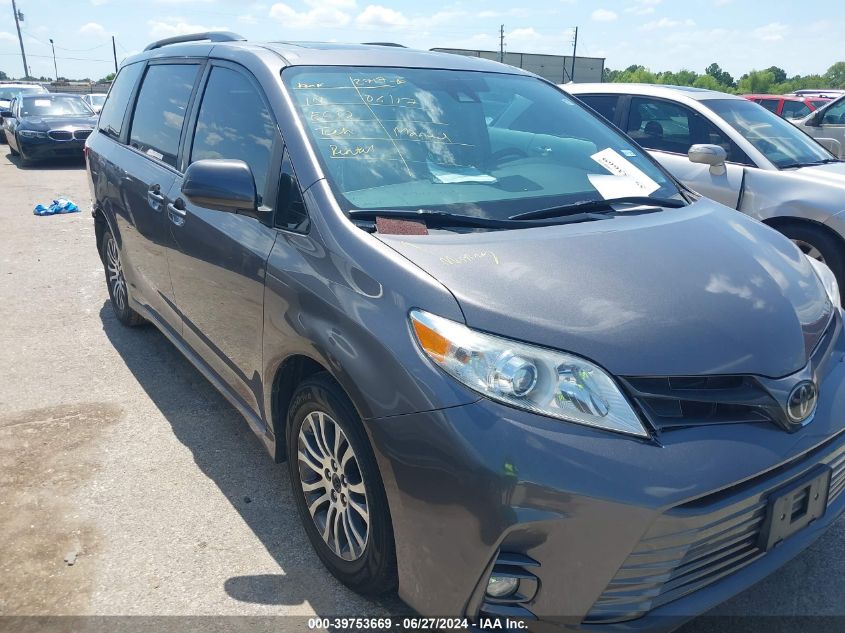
{"x":574,"y":50}
{"x":55,"y":67}
{"x":114,"y":52}
{"x":502,"y":43}
{"x":18,"y":20}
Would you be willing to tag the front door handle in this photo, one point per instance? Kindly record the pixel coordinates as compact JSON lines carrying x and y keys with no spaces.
{"x":176,"y":211}
{"x":154,"y":197}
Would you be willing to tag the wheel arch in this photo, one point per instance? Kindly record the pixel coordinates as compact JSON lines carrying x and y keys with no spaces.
{"x":288,"y":376}
{"x":781,"y":221}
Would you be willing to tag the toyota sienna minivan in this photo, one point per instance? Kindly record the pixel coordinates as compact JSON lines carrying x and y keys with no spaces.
{"x":516,"y":370}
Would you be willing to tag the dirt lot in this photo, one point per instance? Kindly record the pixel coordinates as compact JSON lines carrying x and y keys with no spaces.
{"x":128,"y":486}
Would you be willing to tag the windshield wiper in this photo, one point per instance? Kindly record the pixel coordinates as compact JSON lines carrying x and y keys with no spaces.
{"x":589,"y":205}
{"x":823,"y":161}
{"x":443,"y":218}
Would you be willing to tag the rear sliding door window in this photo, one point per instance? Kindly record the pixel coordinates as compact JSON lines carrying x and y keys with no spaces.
{"x":111,"y":118}
{"x":234,"y":122}
{"x":160,"y":110}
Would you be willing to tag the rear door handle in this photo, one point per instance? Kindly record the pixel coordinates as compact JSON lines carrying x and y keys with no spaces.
{"x":176,"y":211}
{"x":154,"y":197}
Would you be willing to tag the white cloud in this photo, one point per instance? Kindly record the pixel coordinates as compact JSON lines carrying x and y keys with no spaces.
{"x":98,"y":3}
{"x":324,"y":13}
{"x":7,"y":37}
{"x":666,"y":23}
{"x":247,"y":18}
{"x":375,"y":15}
{"x":643,"y":7}
{"x":772,"y":32}
{"x":92,"y":28}
{"x":603,"y":15}
{"x":523,"y":34}
{"x":178,"y":26}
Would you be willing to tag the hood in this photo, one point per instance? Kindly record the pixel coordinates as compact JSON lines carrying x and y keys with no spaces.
{"x":832,"y":173}
{"x":693,"y":291}
{"x":58,"y":122}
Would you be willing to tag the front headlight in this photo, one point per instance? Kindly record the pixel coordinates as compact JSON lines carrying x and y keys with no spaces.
{"x":828,"y":280}
{"x":539,"y":380}
{"x":32,"y":134}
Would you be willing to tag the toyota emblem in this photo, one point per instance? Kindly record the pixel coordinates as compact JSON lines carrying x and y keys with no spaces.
{"x":802,"y":401}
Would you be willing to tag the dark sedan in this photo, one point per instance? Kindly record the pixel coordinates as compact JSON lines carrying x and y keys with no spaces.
{"x":48,"y":126}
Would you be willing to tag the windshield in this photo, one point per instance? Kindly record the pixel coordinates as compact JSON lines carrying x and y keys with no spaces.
{"x":96,"y":100}
{"x":7,"y":94}
{"x":54,"y":105}
{"x":482,"y":144}
{"x":778,"y":140}
{"x":818,"y":103}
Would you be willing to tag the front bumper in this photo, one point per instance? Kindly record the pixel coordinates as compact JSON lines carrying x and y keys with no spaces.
{"x":43,"y":148}
{"x":468,"y":483}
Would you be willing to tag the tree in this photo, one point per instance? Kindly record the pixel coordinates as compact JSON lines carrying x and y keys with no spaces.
{"x":708,"y":82}
{"x":110,"y":77}
{"x":721,"y":76}
{"x":756,"y":82}
{"x":778,"y":73}
{"x":835,"y":75}
{"x":3,"y":76}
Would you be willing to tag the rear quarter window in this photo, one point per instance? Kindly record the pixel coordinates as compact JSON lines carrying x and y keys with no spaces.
{"x":160,"y":110}
{"x":111,"y":117}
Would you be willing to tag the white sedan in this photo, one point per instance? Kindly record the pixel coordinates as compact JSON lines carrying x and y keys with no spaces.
{"x":735,"y":152}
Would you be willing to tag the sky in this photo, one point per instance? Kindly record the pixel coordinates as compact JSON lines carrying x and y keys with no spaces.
{"x":661,"y":34}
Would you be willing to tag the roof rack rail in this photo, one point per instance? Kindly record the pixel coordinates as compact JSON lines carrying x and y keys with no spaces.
{"x":394,"y":44}
{"x":209,"y":36}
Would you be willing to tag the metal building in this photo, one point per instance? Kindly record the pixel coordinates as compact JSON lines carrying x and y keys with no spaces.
{"x":556,"y":68}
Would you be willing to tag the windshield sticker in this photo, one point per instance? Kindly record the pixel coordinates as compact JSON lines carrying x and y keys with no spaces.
{"x":41,"y":103}
{"x":610,"y":187}
{"x":154,"y":154}
{"x":629,"y":153}
{"x":621,"y":167}
{"x":459,"y":174}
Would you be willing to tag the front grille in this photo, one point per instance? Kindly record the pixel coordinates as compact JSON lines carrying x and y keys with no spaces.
{"x":81,"y":135}
{"x":689,"y":548}
{"x":60,"y":135}
{"x":671,"y":402}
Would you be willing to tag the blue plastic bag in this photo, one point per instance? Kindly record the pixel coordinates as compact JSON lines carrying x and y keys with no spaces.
{"x":62,"y":205}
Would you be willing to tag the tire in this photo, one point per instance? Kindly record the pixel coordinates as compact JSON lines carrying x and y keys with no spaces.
{"x":337,"y":491}
{"x":818,"y":243}
{"x":12,"y":150}
{"x":116,"y":282}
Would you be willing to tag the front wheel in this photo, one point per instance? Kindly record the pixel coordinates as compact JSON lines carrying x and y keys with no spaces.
{"x":819,"y":244}
{"x":116,"y":282}
{"x":12,"y":150}
{"x":338,"y":488}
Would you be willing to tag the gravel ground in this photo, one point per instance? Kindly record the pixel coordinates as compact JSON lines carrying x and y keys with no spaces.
{"x":129,"y":486}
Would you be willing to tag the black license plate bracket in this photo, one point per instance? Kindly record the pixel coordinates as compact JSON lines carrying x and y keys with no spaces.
{"x":795,"y":506}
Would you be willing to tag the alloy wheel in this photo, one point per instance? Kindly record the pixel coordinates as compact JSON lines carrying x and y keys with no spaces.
{"x":809,"y":250}
{"x":334,"y":489}
{"x":114,"y":268}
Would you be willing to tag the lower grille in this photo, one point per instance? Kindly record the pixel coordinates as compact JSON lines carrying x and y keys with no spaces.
{"x":837,"y":479}
{"x":689,"y":548}
{"x":81,"y":135}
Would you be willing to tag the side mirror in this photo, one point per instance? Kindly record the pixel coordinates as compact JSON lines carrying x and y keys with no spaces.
{"x":713,"y":155}
{"x":222,"y":185}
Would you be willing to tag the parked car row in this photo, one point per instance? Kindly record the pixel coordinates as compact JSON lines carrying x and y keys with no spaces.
{"x":827,"y":126}
{"x":516,"y":366}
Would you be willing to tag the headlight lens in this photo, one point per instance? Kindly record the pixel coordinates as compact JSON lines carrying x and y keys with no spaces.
{"x":540,"y":380}
{"x":32,"y":134}
{"x":828,"y":280}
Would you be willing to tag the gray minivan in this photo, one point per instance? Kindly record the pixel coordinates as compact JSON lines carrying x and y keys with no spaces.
{"x":515,"y":368}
